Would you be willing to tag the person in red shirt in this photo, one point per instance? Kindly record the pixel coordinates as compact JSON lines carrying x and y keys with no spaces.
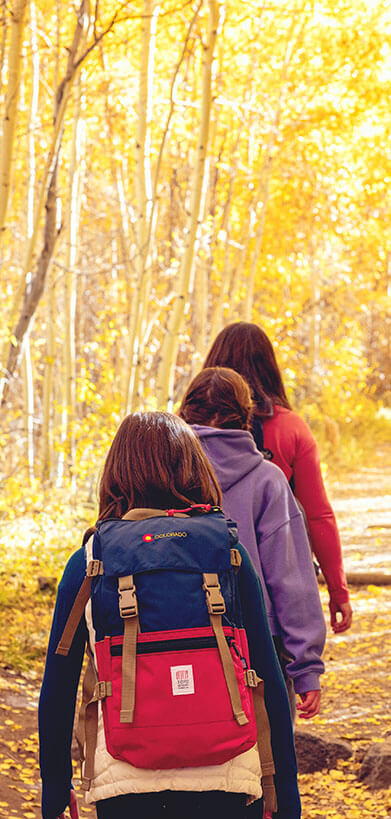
{"x":286,"y":439}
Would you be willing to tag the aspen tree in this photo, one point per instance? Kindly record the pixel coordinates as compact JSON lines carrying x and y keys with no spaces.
{"x":28,"y":389}
{"x":31,"y":164}
{"x":28,"y":293}
{"x":201,"y":281}
{"x":73,"y":217}
{"x":18,"y":12}
{"x":49,"y":359}
{"x":3,"y":40}
{"x":48,"y":377}
{"x":217,"y":317}
{"x":143,"y":206}
{"x":169,"y":350}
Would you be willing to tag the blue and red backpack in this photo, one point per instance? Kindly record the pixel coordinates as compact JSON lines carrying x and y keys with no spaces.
{"x":172,"y":664}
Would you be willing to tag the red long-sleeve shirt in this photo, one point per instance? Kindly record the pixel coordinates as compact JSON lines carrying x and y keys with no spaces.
{"x":296,"y":453}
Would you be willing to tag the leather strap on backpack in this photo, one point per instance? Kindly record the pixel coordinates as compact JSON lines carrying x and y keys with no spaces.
{"x":94,"y":568}
{"x":263,"y":740}
{"x":216,"y":608}
{"x":128,"y":610}
{"x":87,"y":728}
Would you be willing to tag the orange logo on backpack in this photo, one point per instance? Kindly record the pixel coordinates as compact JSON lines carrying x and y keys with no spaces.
{"x":147,"y":538}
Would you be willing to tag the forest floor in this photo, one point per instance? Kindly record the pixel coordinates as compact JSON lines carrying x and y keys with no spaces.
{"x":356,"y":703}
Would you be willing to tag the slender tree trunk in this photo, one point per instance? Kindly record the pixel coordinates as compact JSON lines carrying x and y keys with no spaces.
{"x":201,"y":284}
{"x":27,"y":296}
{"x":3,"y":39}
{"x":217,"y":317}
{"x":315,"y":319}
{"x":143,"y":186}
{"x":166,"y":372}
{"x":50,"y":319}
{"x":74,"y":206}
{"x":18,"y":12}
{"x":31,"y":164}
{"x":28,"y":389}
{"x":48,"y":379}
{"x":35,"y":288}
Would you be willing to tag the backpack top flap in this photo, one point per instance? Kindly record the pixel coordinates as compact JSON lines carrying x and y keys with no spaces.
{"x":195,"y":544}
{"x":167,"y":557}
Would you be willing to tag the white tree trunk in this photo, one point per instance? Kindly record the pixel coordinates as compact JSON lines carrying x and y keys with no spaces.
{"x":28,"y":295}
{"x":73,"y":217}
{"x":143,"y":187}
{"x":3,"y":40}
{"x":166,"y":372}
{"x":11,"y":106}
{"x":28,"y":390}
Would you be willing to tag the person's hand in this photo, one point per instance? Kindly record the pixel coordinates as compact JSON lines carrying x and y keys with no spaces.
{"x":310,"y":705}
{"x":345,"y":609}
{"x":73,"y":808}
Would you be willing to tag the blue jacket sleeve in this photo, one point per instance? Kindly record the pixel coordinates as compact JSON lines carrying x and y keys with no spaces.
{"x":58,"y":696}
{"x":264,"y":660}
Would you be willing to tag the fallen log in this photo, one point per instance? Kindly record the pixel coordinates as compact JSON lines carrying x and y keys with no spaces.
{"x":365,"y":578}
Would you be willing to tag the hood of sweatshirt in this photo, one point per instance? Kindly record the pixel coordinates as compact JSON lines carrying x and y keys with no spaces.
{"x":232,"y":452}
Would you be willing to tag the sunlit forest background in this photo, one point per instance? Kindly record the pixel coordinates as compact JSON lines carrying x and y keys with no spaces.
{"x":167,"y":168}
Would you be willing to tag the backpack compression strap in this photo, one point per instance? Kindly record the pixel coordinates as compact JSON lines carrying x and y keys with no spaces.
{"x":128,"y":610}
{"x":216,"y":608}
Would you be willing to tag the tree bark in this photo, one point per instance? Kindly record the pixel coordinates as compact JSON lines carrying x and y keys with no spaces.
{"x":27,"y":295}
{"x":28,"y":389}
{"x":34,"y":289}
{"x":51,"y":320}
{"x":48,"y":379}
{"x":3,"y":41}
{"x":144,"y":228}
{"x":73,"y":218}
{"x":11,"y":105}
{"x":166,"y":371}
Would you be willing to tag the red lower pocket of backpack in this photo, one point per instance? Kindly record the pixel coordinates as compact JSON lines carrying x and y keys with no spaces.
{"x":183,"y":714}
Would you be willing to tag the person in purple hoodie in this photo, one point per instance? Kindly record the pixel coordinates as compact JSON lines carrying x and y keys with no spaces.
{"x":256,"y":494}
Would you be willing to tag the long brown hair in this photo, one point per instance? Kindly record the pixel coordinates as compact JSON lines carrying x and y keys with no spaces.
{"x":219,"y":395}
{"x":155,"y":461}
{"x":244,"y":347}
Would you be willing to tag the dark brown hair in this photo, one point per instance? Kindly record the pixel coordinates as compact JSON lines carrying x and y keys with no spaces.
{"x":218,"y":395}
{"x":244,"y":347}
{"x":155,"y":461}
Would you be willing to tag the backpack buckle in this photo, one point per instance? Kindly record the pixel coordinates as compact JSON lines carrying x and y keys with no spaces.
{"x":94,"y":568}
{"x":251,"y":677}
{"x":214,"y":599}
{"x":127,"y":601}
{"x":102,"y":689}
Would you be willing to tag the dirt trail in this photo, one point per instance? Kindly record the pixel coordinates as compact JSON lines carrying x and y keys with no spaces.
{"x":357,"y":686}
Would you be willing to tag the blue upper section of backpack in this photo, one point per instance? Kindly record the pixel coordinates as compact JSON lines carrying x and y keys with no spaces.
{"x":167,"y":557}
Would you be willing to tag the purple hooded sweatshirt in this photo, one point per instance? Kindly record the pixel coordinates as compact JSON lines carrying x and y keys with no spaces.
{"x":257,"y":496}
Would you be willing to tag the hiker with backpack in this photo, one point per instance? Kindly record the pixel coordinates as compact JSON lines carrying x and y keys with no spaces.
{"x":256,"y":494}
{"x":288,"y":441}
{"x":173,"y":719}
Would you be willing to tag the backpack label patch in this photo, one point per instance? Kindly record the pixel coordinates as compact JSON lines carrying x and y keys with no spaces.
{"x":182,"y":679}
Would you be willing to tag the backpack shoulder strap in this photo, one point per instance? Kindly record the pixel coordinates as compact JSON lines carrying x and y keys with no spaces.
{"x":94,"y":568}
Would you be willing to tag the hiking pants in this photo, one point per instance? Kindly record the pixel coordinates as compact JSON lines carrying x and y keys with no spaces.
{"x":177,"y":805}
